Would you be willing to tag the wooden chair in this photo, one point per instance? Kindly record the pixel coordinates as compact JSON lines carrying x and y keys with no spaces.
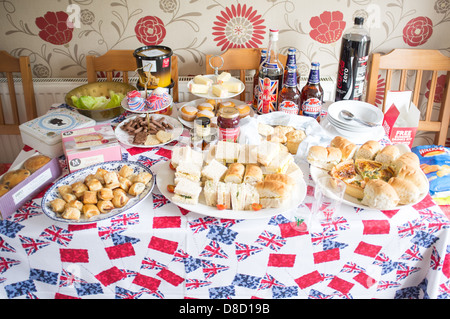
{"x":241,"y":59}
{"x":420,"y":61}
{"x":10,"y":65}
{"x":123,"y":61}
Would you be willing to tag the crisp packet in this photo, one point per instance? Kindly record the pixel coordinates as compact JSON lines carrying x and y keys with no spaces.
{"x":435,"y":163}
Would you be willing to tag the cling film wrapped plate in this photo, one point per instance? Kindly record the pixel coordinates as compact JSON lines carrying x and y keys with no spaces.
{"x":435,"y":163}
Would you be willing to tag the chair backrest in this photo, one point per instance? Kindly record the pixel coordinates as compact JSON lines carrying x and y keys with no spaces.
{"x":419,"y":61}
{"x":241,"y":59}
{"x":21,"y":65}
{"x":123,"y":61}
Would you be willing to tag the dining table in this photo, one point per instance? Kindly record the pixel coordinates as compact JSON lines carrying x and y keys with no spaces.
{"x":158,"y":250}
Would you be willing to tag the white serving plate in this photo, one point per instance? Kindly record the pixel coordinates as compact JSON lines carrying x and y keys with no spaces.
{"x":361,"y":110}
{"x":165,"y":176}
{"x":127,"y":139}
{"x":317,"y":173}
{"x":210,"y":95}
{"x":52,"y":193}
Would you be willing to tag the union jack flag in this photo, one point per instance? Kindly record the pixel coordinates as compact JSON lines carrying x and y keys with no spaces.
{"x":351,"y":267}
{"x":196,"y":283}
{"x":125,"y":219}
{"x":6,"y":263}
{"x":213,"y":250}
{"x":57,"y":234}
{"x":107,"y":232}
{"x":438,"y":224}
{"x":4,"y":246}
{"x":318,"y":238}
{"x":334,"y":224}
{"x":180,"y":255}
{"x":386,"y":264}
{"x":30,"y":209}
{"x":444,"y":290}
{"x":147,"y":161}
{"x":268,"y":281}
{"x":409,"y":228}
{"x":122,"y":293}
{"x":268,"y":93}
{"x":201,"y":224}
{"x":412,"y":253}
{"x":271,"y":240}
{"x":315,"y":294}
{"x":148,"y":263}
{"x":155,"y":293}
{"x":243,"y":251}
{"x":435,"y":260}
{"x":383,"y":285}
{"x":67,"y":279}
{"x":32,"y":245}
{"x":404,"y":270}
{"x":210,"y":269}
{"x":159,"y":200}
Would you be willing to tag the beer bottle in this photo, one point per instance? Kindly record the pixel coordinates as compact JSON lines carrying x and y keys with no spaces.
{"x":312,"y":93}
{"x":270,"y":77}
{"x":291,"y":61}
{"x":289,"y":99}
{"x":255,"y":80}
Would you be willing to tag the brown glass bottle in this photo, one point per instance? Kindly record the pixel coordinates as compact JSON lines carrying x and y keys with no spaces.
{"x":312,"y":94}
{"x":289,"y":98}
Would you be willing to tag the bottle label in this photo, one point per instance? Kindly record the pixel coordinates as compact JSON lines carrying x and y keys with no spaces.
{"x":312,"y":107}
{"x":314,"y":76}
{"x":229,"y":134}
{"x":288,"y":107}
{"x":291,"y":79}
{"x":268,"y":93}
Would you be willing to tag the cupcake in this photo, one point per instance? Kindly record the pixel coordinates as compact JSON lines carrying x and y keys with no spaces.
{"x":135,"y":101}
{"x":205,"y":113}
{"x":244,"y":110}
{"x":188,"y":113}
{"x":226,"y":104}
{"x":205,"y":106}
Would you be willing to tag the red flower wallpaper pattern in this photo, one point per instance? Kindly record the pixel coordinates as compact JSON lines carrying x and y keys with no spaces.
{"x":440,"y":87}
{"x":150,"y":30}
{"x":328,"y":27}
{"x":239,"y":27}
{"x":417,"y":31}
{"x":55,"y":28}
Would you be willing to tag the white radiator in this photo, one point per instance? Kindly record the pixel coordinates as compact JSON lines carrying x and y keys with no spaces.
{"x":50,"y":91}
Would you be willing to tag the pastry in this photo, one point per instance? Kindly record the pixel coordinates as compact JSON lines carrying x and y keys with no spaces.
{"x":125,"y":171}
{"x":90,"y":197}
{"x":120,"y":198}
{"x":136,"y":189}
{"x":90,"y":211}
{"x":205,"y":113}
{"x":58,"y":205}
{"x":105,"y":194}
{"x":105,"y":206}
{"x":71,"y":213}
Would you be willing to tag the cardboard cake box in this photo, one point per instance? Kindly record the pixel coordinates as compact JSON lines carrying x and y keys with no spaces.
{"x":44,"y":133}
{"x":29,"y":187}
{"x":87,"y":146}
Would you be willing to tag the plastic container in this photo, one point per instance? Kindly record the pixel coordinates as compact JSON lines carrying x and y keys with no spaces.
{"x":44,"y":133}
{"x":154,"y":66}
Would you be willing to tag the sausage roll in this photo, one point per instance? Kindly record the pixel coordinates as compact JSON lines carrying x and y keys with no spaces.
{"x":105,"y":194}
{"x":94,"y":185}
{"x":136,"y":189}
{"x":105,"y":206}
{"x":90,"y":210}
{"x":58,"y":205}
{"x":90,"y":197}
{"x":71,"y":213}
{"x":120,"y":198}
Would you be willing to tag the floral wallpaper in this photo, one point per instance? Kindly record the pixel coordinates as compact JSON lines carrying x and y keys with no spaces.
{"x":58,"y":34}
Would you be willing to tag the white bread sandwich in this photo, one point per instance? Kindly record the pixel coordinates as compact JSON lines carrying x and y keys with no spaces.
{"x":368,"y":150}
{"x":235,"y":173}
{"x":248,"y":154}
{"x":185,"y":154}
{"x":253,"y":174}
{"x":380,"y":195}
{"x":324,"y":157}
{"x":223,"y":194}
{"x":272,"y":193}
{"x":188,"y":170}
{"x":267,"y":151}
{"x":237,"y":194}
{"x":347,"y":148}
{"x":294,"y":171}
{"x":210,"y":192}
{"x":407,"y":192}
{"x":280,"y":163}
{"x":251,"y":196}
{"x":227,"y":152}
{"x":186,"y":192}
{"x":214,"y":170}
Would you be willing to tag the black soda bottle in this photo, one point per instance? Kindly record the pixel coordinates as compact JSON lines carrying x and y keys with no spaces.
{"x":353,"y":62}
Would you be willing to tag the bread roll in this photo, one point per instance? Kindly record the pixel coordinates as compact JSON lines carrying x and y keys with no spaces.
{"x":380,"y":195}
{"x":409,"y":159}
{"x":272,"y":193}
{"x":368,"y":150}
{"x":283,"y":178}
{"x":36,"y":162}
{"x":253,"y":174}
{"x":388,"y":155}
{"x":293,"y":140}
{"x":415,"y":176}
{"x":407,"y":192}
{"x":347,"y":148}
{"x":324,"y":157}
{"x":235,"y":173}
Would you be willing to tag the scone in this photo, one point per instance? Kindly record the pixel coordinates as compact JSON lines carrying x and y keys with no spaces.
{"x":294,"y":138}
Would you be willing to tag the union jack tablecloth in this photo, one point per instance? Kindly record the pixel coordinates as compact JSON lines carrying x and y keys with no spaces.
{"x":157,"y":250}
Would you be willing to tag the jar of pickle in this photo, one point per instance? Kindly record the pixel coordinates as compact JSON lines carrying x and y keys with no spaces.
{"x":228,"y":124}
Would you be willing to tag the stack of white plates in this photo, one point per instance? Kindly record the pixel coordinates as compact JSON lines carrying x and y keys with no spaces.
{"x":364,"y":111}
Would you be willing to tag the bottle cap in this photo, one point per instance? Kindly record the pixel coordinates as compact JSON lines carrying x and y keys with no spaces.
{"x":228,"y":112}
{"x":315,"y":64}
{"x":359,"y":20}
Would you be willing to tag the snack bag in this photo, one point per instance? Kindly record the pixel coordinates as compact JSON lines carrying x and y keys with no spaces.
{"x":435,"y":163}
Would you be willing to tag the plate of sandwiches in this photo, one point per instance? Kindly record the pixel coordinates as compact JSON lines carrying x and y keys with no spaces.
{"x":210,"y":86}
{"x":378,"y":177}
{"x":98,"y":192}
{"x":233,"y":181}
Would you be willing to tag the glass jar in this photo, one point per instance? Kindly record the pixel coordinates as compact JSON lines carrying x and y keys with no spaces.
{"x":228,"y":123}
{"x":202,"y":127}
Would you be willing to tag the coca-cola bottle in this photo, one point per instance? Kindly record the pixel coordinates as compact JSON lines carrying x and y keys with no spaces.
{"x":312,"y":93}
{"x":256,"y":80}
{"x":289,"y":98}
{"x":270,"y":77}
{"x":353,"y":62}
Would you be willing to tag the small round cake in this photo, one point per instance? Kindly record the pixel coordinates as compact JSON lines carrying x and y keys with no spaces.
{"x":205,"y":113}
{"x":188,"y":113}
{"x":244,"y":110}
{"x":205,"y":106}
{"x":135,"y":101}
